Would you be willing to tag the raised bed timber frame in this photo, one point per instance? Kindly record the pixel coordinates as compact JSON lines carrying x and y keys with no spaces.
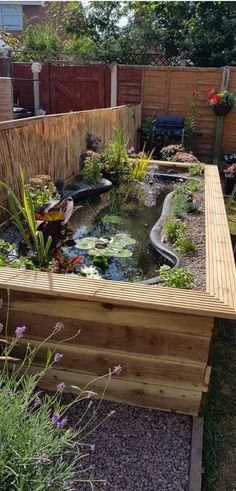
{"x":162,"y":337}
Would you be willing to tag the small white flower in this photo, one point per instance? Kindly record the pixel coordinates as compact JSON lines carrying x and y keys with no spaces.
{"x":90,"y":272}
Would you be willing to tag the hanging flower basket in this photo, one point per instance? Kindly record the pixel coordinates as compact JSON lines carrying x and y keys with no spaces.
{"x":221,"y":109}
{"x":221,"y":102}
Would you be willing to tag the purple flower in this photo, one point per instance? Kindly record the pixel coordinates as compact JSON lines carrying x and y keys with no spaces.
{"x":61,"y":387}
{"x":20,"y":331}
{"x":58,"y":357}
{"x":32,"y":254}
{"x":58,"y":327}
{"x":55,"y":418}
{"x":117,"y":369}
{"x":130,"y":149}
{"x":90,"y":394}
{"x":61,"y":424}
{"x":37,"y":402}
{"x":92,"y":447}
{"x":43,"y":458}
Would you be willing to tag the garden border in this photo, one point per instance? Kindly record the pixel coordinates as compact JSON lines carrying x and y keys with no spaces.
{"x":161,"y":336}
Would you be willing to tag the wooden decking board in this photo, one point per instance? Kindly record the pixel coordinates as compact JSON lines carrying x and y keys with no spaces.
{"x":161,"y":336}
{"x":221,"y":273}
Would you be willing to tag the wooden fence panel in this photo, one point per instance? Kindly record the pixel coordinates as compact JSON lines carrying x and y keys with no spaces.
{"x":229,"y":134}
{"x":53,"y":144}
{"x":6,"y":99}
{"x":168,"y":90}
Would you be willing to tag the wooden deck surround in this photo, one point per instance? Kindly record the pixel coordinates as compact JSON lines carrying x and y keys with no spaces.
{"x":162,"y":337}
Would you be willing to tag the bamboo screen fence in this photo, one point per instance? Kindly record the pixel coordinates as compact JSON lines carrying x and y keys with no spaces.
{"x":53,"y":144}
{"x":6,"y":99}
{"x":169,"y":90}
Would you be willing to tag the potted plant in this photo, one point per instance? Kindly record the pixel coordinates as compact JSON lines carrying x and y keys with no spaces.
{"x":221,"y":102}
{"x":230,"y":173}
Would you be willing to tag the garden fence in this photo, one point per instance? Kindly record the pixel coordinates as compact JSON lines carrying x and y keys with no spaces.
{"x":53,"y":144}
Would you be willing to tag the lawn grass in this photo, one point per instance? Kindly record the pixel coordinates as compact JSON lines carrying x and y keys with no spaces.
{"x":219,"y":445}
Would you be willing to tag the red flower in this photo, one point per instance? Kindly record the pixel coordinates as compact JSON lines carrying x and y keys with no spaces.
{"x":77,"y":259}
{"x":210,"y":91}
{"x":195,"y":93}
{"x":214,"y":99}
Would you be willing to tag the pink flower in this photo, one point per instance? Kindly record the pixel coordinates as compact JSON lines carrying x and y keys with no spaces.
{"x":117,"y":369}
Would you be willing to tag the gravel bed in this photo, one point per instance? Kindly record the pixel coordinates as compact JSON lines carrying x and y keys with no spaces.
{"x":196,"y":262}
{"x":11,"y":234}
{"x":138,"y":449}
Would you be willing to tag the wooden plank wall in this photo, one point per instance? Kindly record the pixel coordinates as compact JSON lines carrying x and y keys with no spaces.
{"x":53,"y":144}
{"x":168,"y":90}
{"x":6,"y":99}
{"x":163,"y":355}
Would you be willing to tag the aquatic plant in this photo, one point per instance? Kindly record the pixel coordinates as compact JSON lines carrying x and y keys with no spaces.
{"x":138,"y":167}
{"x":23,"y":215}
{"x":9,"y":257}
{"x":115,"y":246}
{"x":115,"y":157}
{"x":175,"y":277}
{"x":41,"y":190}
{"x":90,"y":272}
{"x":112,"y":219}
{"x":38,"y":450}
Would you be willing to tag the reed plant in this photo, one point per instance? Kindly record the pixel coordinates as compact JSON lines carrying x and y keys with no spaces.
{"x":138,"y":167}
{"x":23,"y":216}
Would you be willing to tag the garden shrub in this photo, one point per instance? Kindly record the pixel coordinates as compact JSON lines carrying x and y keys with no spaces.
{"x":182,"y":203}
{"x":173,"y":229}
{"x":92,"y":169}
{"x":196,"y":169}
{"x":175,"y":277}
{"x":184,"y":246}
{"x":170,"y":150}
{"x":192,"y":186}
{"x":184,"y":157}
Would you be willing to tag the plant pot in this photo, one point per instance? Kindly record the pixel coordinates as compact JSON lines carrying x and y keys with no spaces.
{"x":221,"y":109}
{"x":230,"y":181}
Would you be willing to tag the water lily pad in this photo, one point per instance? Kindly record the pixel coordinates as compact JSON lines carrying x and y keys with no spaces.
{"x":86,"y":242}
{"x":113,"y":219}
{"x":123,"y":239}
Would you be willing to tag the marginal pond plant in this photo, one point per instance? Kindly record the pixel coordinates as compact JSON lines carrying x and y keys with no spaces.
{"x":138,"y":167}
{"x":114,"y":158}
{"x":38,"y":449}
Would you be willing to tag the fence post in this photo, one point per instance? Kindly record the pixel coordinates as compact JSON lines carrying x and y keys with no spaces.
{"x":36,"y":69}
{"x":113,"y":85}
{"x":220,"y":119}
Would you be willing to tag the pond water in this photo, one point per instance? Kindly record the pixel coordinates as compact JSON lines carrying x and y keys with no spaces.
{"x":112,"y":231}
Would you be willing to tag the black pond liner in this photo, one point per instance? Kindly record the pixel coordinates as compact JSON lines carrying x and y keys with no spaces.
{"x":155,"y":234}
{"x":86,"y":190}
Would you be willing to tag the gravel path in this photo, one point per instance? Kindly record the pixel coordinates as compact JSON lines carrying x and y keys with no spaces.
{"x":139,"y":449}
